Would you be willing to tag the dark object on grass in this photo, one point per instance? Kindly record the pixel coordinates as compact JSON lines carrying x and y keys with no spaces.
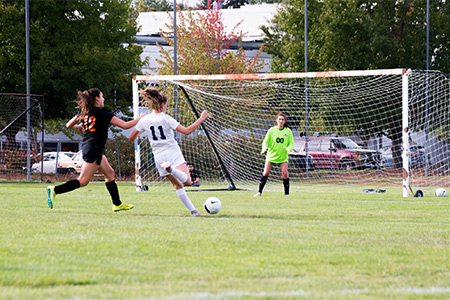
{"x":374,"y":191}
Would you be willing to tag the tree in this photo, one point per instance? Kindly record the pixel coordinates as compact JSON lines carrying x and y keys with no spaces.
{"x":359,"y":34}
{"x":153,"y":5}
{"x":203,"y":46}
{"x":74,"y":45}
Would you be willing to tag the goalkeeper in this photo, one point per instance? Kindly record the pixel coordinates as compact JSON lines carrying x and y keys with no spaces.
{"x":279,"y":141}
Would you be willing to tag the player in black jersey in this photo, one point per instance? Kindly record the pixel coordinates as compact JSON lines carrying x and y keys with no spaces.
{"x":93,"y":121}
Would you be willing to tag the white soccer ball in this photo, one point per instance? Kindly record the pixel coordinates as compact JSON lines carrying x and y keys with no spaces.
{"x":212,"y":205}
{"x":440,"y":192}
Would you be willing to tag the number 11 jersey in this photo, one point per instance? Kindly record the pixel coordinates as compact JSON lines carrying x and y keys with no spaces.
{"x":159,"y":128}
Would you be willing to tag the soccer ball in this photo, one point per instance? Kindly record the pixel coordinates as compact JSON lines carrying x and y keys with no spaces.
{"x":212,"y":205}
{"x":440,"y":192}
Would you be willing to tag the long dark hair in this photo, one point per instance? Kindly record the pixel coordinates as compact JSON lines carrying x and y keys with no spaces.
{"x":285,"y":118}
{"x":86,"y":100}
{"x":154,"y":99}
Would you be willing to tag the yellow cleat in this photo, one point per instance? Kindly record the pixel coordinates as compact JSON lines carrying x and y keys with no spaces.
{"x":51,"y":196}
{"x":123,"y":206}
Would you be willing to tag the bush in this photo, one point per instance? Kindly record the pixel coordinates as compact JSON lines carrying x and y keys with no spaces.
{"x":126,"y":154}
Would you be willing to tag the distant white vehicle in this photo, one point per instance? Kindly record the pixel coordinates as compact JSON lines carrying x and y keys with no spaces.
{"x":49,"y":164}
{"x":72,"y":165}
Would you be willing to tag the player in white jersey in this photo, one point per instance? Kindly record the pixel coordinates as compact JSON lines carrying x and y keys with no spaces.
{"x":167,"y":154}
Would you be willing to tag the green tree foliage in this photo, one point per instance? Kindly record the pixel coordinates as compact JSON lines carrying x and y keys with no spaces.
{"x":153,"y":5}
{"x":74,"y":45}
{"x":356,"y":34}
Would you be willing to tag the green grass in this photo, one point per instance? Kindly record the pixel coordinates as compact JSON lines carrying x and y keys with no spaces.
{"x":320,"y":243}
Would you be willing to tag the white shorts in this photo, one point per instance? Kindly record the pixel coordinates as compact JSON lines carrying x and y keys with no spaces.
{"x":175,"y":157}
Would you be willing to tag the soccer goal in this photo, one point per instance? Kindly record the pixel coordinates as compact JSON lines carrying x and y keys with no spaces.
{"x":375,"y":128}
{"x":21,"y":137}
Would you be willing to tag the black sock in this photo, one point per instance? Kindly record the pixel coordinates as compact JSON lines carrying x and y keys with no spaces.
{"x":286,"y":186}
{"x":262,"y":183}
{"x":114,"y":192}
{"x":67,"y":186}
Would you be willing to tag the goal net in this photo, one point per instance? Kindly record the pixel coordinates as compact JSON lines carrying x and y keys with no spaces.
{"x":375,"y":128}
{"x":15,"y":119}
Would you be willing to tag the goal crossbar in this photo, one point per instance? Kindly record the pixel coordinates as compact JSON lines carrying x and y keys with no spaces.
{"x":271,"y":75}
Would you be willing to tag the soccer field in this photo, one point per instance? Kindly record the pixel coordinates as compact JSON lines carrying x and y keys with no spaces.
{"x":320,"y":243}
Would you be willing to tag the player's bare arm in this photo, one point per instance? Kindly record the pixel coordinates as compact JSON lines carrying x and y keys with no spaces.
{"x":125,"y":125}
{"x":193,"y":126}
{"x":72,"y":124}
{"x":134,"y":134}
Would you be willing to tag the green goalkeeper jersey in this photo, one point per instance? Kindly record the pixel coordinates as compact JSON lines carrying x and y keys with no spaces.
{"x":278,"y":143}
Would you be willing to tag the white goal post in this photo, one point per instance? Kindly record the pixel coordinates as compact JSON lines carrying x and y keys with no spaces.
{"x":369,"y":106}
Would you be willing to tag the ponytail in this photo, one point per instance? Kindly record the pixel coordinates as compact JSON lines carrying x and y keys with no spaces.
{"x":86,"y":100}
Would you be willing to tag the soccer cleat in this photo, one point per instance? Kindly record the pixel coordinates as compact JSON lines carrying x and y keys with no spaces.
{"x":258,"y":194}
{"x":195,"y":213}
{"x":166,"y":166}
{"x":123,"y":206}
{"x":286,"y":195}
{"x":51,"y":196}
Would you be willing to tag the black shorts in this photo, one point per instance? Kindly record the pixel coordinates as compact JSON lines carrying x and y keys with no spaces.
{"x":92,"y":153}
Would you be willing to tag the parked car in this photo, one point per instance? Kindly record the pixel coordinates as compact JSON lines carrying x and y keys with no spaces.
{"x":339,"y":153}
{"x":416,"y":157}
{"x":49,"y":164}
{"x":72,"y":165}
{"x":299,"y":161}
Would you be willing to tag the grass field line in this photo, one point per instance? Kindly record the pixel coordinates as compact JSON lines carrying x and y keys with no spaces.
{"x":219,"y":218}
{"x":303,"y":293}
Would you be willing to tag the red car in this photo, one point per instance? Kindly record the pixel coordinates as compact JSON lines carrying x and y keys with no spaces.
{"x":339,"y":153}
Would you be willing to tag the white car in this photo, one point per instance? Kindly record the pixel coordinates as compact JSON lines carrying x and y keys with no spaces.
{"x":72,"y":165}
{"x":49,"y":164}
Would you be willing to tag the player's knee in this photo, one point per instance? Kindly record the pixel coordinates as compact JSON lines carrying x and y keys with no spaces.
{"x":83,"y":182}
{"x":188,"y":182}
{"x":177,"y":185}
{"x":110,"y":176}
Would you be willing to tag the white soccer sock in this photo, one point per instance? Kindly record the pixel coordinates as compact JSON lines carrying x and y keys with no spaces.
{"x":180,"y":175}
{"x":185,"y":199}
